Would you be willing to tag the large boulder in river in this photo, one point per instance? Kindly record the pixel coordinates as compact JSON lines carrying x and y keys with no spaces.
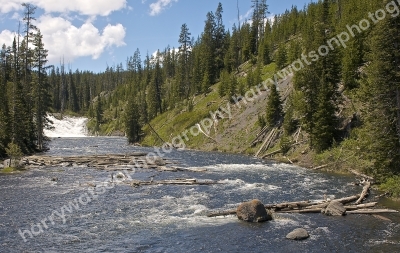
{"x":335,"y":208}
{"x":298,"y":234}
{"x":253,"y":211}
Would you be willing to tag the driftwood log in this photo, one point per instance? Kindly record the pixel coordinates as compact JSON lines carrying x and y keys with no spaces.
{"x":222,"y":213}
{"x":321,"y":167}
{"x":361,"y":175}
{"x":364,"y":192}
{"x":372,"y":211}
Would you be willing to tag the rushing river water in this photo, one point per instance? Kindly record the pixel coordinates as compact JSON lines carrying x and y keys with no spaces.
{"x":173,"y":218}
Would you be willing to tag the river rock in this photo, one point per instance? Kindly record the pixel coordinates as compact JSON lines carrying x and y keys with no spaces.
{"x":253,"y":211}
{"x":335,"y":208}
{"x":159,"y":161}
{"x":298,"y":234}
{"x":23,"y":162}
{"x":7,"y":163}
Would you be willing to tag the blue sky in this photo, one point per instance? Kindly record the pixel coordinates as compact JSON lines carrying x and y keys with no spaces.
{"x":92,"y":34}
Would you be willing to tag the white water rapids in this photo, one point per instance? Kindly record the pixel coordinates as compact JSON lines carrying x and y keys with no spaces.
{"x":67,"y":127}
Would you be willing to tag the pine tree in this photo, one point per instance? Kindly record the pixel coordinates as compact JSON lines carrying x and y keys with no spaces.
{"x":4,"y":110}
{"x":132,"y":121}
{"x":274,"y":107}
{"x":41,"y":88}
{"x":223,"y":87}
{"x":208,"y":52}
{"x":264,"y":52}
{"x":328,"y":69}
{"x":185,"y":42}
{"x":380,"y":92}
{"x":98,"y":113}
{"x":233,"y":85}
{"x":20,"y":113}
{"x":318,"y":83}
{"x":219,"y":40}
{"x":154,"y":92}
{"x":281,"y":57}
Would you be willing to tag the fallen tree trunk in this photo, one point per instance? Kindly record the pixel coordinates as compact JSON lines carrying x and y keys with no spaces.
{"x":348,"y":199}
{"x":288,"y":205}
{"x":321,"y":167}
{"x":341,"y":200}
{"x":361,"y":175}
{"x":314,"y":210}
{"x":362,"y":206}
{"x":364,"y":192}
{"x":372,"y":211}
{"x":272,"y":153}
{"x":260,"y":135}
{"x":266,"y":141}
{"x":222,"y":213}
{"x":321,"y":205}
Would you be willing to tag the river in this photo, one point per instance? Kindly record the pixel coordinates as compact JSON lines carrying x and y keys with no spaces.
{"x":173,"y":218}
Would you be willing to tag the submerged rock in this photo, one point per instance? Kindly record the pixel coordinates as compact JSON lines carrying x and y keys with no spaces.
{"x":253,"y":211}
{"x":120,"y":175}
{"x":298,"y":234}
{"x":335,"y":208}
{"x":159,"y":161}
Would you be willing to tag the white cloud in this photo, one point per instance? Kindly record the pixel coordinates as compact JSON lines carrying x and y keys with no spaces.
{"x":6,"y":37}
{"x":154,"y":54}
{"x":16,"y":16}
{"x":157,"y":7}
{"x":7,"y":6}
{"x":64,"y":40}
{"x":87,"y":7}
{"x":271,"y":18}
{"x":246,"y":16}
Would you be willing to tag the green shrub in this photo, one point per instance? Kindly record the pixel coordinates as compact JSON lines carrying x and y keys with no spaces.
{"x":261,"y":121}
{"x":392,"y":185}
{"x":285,"y":144}
{"x":14,"y":152}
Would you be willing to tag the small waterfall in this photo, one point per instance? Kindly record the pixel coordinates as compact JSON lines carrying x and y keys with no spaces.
{"x":67,"y":127}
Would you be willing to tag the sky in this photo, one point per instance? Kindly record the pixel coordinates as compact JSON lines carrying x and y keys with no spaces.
{"x":93,"y":34}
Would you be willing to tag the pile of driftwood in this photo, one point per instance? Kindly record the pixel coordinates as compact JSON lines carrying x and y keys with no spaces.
{"x":109,"y":162}
{"x":358,"y":207}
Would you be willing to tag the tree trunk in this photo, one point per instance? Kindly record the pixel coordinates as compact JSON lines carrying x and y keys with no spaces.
{"x":372,"y":211}
{"x":364,"y":192}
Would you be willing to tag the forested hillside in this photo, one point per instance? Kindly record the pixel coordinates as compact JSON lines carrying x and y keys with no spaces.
{"x":341,"y":60}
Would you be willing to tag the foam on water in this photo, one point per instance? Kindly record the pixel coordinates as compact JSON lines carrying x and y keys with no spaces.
{"x":67,"y":127}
